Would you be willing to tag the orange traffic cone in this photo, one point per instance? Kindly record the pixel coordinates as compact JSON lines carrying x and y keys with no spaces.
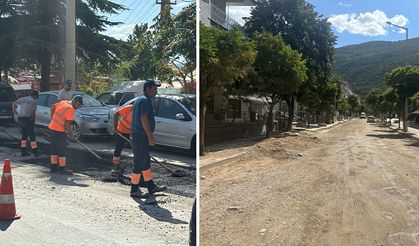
{"x":7,"y":199}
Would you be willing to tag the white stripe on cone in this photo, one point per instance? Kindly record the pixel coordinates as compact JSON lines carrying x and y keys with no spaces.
{"x":7,"y":199}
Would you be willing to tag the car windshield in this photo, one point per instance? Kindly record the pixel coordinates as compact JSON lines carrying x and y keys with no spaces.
{"x":189,"y":103}
{"x":110,"y":98}
{"x":7,"y":95}
{"x":89,"y":101}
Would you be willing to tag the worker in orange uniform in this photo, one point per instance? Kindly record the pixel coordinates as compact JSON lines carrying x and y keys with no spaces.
{"x":62,"y":114}
{"x":122,"y":124}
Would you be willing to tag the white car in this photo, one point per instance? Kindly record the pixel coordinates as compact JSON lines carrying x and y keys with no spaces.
{"x":175,"y":120}
{"x":89,"y":120}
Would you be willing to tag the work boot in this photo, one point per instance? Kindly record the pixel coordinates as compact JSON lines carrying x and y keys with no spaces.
{"x":117,"y":170}
{"x":24,"y":152}
{"x":138,"y":194}
{"x":53,"y":168}
{"x":65,"y":171}
{"x":36,"y":152}
{"x":153,"y":188}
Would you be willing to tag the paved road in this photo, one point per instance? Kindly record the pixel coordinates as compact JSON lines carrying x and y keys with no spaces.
{"x":357,"y":185}
{"x":105,"y":146}
{"x":80,"y":210}
{"x":93,"y":207}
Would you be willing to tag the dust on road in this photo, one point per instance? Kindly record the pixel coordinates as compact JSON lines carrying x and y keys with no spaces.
{"x":354,"y":184}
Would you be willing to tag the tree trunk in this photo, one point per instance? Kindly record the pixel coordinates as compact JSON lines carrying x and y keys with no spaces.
{"x":269,"y":123}
{"x":202,"y":113}
{"x":398,"y":116}
{"x":45,"y":71}
{"x":290,"y":104}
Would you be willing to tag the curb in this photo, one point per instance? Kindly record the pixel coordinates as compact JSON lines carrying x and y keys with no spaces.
{"x":221,"y":162}
{"x":407,"y":134}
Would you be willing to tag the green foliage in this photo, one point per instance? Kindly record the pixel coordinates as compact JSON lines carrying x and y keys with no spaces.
{"x":279,"y":69}
{"x":405,"y":81}
{"x":353,"y":101}
{"x":224,"y":57}
{"x":39,"y":33}
{"x":301,"y":27}
{"x":374,"y":100}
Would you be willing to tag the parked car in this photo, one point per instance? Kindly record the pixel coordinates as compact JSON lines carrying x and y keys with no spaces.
{"x":370,"y":119}
{"x":89,"y":120}
{"x":363,"y":115}
{"x":128,"y":90}
{"x":175,"y":120}
{"x":7,"y":96}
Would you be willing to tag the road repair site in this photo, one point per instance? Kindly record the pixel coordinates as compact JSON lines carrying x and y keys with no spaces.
{"x":93,"y":206}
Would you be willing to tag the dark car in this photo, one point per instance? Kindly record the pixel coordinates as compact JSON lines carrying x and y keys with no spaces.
{"x":7,"y":96}
{"x":370,"y":119}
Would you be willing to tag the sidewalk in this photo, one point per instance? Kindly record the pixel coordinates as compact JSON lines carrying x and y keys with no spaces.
{"x":226,"y":152}
{"x":412,"y":131}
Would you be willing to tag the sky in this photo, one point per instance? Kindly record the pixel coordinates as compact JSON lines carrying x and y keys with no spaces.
{"x":139,"y":11}
{"x":356,"y":21}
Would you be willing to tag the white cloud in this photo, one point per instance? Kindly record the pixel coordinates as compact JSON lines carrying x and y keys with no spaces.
{"x":120,"y":31}
{"x":238,"y":12}
{"x":346,"y":5}
{"x":366,"y":24}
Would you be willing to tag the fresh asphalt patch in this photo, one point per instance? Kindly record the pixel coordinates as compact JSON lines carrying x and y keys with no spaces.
{"x":100,"y":170}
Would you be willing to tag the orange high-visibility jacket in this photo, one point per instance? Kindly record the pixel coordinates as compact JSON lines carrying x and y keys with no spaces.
{"x":63,"y":111}
{"x":124,"y":124}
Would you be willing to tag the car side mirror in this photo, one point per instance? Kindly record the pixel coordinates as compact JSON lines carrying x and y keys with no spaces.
{"x":180,"y":116}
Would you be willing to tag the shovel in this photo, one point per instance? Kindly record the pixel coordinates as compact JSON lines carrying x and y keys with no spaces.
{"x":175,"y":173}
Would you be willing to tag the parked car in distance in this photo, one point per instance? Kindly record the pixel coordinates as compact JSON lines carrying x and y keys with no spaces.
{"x":175,"y":120}
{"x":370,"y":119}
{"x":7,"y":96}
{"x":363,"y":115}
{"x":128,"y":90}
{"x":89,"y":120}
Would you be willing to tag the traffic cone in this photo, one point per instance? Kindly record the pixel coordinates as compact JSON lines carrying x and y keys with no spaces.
{"x":7,"y":199}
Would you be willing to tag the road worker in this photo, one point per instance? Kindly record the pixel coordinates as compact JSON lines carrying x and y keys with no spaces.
{"x":62,"y":115}
{"x":26,"y":120}
{"x":122,"y":125}
{"x":66,"y":93}
{"x":143,"y":124}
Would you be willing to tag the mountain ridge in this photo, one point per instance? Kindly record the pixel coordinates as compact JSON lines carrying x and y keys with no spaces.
{"x":364,"y":65}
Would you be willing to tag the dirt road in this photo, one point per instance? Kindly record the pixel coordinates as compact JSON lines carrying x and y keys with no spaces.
{"x":354,"y":184}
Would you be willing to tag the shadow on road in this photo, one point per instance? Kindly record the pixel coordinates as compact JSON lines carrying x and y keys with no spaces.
{"x":414,"y":144}
{"x":151,"y":207}
{"x":5,"y":224}
{"x":65,"y":180}
{"x":389,"y":136}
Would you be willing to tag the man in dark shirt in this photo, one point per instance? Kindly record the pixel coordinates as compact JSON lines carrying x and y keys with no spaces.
{"x":142,"y":128}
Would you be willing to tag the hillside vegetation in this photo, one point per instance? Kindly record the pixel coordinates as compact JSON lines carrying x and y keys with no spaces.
{"x":364,"y":65}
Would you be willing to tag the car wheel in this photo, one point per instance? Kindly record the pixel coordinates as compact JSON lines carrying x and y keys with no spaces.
{"x":76,"y":130}
{"x":192,"y":149}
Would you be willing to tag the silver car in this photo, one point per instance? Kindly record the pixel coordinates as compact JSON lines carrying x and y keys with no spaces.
{"x":175,"y":120}
{"x":89,"y":120}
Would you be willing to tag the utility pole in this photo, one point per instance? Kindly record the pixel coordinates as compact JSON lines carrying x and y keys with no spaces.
{"x":165,"y":8}
{"x":70,"y":42}
{"x":405,"y":128}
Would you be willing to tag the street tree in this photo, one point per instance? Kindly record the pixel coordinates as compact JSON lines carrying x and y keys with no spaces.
{"x":280,"y":71}
{"x":405,"y":81}
{"x":373,"y":100}
{"x":305,"y":31}
{"x":225,"y":56}
{"x":42,"y":40}
{"x":353,"y":101}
